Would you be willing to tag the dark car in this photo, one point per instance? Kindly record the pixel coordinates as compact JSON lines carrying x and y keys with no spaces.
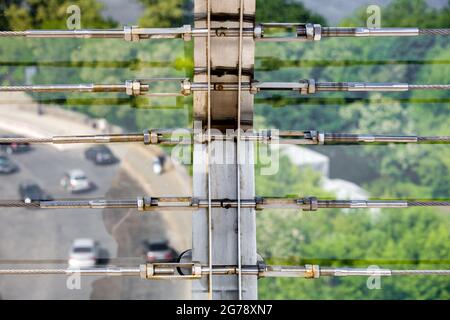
{"x":11,"y":148}
{"x":7,"y":166}
{"x":159,"y":252}
{"x":30,"y":191}
{"x":100,"y":155}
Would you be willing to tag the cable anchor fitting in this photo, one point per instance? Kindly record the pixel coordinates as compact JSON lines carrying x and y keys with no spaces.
{"x":309,"y":204}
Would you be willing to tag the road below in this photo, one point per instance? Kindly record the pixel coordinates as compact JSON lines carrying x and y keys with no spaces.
{"x":42,"y":238}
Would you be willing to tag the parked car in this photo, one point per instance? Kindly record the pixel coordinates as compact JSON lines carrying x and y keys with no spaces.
{"x":100,"y":154}
{"x":31,"y":191}
{"x":159,"y":252}
{"x":7,"y":166}
{"x":84,"y":253}
{"x":11,"y":148}
{"x":76,"y":181}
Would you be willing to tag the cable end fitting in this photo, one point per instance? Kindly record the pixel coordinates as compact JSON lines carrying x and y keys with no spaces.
{"x":187,"y":35}
{"x":309,"y":204}
{"x":133,"y":87}
{"x":312,"y":271}
{"x":186,"y":87}
{"x":310,"y":88}
{"x":130,"y":34}
{"x":150,"y":137}
{"x":316,"y":137}
{"x":144,"y":203}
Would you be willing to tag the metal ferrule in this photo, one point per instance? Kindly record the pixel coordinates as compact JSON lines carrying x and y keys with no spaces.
{"x":386,"y":32}
{"x":284,"y":271}
{"x":368,"y":32}
{"x":345,"y":272}
{"x":113,"y":138}
{"x":361,"y":204}
{"x":362,"y":86}
{"x":367,"y":138}
{"x":110,"y":272}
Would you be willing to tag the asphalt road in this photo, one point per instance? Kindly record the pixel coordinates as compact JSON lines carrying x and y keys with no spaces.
{"x":47,"y":235}
{"x":30,"y":235}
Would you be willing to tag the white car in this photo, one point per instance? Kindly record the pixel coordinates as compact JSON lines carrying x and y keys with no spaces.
{"x":83,"y":254}
{"x":158,"y":164}
{"x":76,"y":181}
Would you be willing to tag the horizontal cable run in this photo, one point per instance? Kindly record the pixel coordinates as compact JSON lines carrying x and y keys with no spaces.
{"x":194,"y":270}
{"x":132,"y":88}
{"x":142,"y":87}
{"x":190,"y":203}
{"x":435,"y":32}
{"x":261,"y":32}
{"x":187,"y":136}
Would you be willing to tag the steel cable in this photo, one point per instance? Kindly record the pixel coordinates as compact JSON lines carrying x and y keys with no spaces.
{"x":18,"y":204}
{"x":12,"y":33}
{"x":435,"y":32}
{"x":429,"y":86}
{"x":420,"y":272}
{"x":428,"y":203}
{"x":434,"y":139}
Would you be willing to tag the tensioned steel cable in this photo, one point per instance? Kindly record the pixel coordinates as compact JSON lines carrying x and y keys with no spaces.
{"x":171,"y":271}
{"x":192,"y":203}
{"x":261,"y":32}
{"x":142,"y":87}
{"x":186,"y":136}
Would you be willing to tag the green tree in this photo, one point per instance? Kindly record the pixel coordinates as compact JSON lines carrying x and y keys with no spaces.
{"x":164,"y":13}
{"x":285,"y":11}
{"x":51,"y":14}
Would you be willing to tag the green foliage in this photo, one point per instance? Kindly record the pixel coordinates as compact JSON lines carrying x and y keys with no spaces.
{"x":404,"y":13}
{"x":163,"y":13}
{"x":389,"y":239}
{"x":51,"y":14}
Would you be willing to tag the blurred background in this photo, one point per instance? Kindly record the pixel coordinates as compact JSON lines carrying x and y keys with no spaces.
{"x":410,"y":238}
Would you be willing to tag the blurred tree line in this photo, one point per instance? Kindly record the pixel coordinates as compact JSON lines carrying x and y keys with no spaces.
{"x":386,"y":172}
